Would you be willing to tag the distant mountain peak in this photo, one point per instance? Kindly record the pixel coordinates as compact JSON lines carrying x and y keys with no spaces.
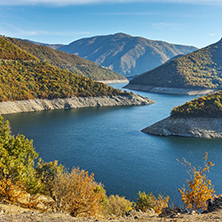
{"x":125,"y":54}
{"x":121,"y":34}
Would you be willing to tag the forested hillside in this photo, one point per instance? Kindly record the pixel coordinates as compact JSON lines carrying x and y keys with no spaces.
{"x":66,"y":61}
{"x":201,"y":69}
{"x":23,"y":77}
{"x":11,"y":52}
{"x":206,"y":106}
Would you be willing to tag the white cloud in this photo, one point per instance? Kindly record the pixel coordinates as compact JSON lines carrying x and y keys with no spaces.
{"x":82,"y":2}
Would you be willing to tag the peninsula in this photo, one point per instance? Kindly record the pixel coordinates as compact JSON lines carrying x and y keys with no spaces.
{"x":200,"y":117}
{"x":27,"y":84}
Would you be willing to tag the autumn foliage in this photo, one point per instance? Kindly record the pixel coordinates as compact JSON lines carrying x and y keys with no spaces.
{"x":9,"y":51}
{"x":23,"y":76}
{"x":66,"y":61}
{"x":75,"y":192}
{"x":199,"y":187}
{"x":206,"y":106}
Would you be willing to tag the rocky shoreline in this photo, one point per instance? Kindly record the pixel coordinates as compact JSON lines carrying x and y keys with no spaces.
{"x":198,"y":127}
{"x":71,"y":103}
{"x":113,"y":81}
{"x":166,"y":90}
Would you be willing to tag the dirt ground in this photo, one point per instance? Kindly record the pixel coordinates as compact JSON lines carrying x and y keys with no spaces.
{"x":14,"y":213}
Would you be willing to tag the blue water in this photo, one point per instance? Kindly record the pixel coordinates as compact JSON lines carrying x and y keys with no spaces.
{"x":109,"y":143}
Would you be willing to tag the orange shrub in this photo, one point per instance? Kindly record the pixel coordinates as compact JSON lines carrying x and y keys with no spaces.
{"x":9,"y":191}
{"x":199,"y":187}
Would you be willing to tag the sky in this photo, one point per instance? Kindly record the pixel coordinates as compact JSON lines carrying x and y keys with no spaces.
{"x":187,"y":22}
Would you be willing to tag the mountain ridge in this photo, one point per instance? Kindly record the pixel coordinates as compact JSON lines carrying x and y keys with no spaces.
{"x":124,"y":53}
{"x":201,"y":69}
{"x":66,"y":61}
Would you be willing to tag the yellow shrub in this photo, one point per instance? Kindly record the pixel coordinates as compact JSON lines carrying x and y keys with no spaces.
{"x":160,"y":203}
{"x":75,"y":192}
{"x":200,"y":188}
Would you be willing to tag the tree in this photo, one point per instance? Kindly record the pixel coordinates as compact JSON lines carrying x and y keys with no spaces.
{"x":199,"y":187}
{"x":17,"y":157}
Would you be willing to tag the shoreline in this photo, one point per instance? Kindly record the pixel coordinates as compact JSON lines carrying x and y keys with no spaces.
{"x":198,"y":127}
{"x":33,"y":105}
{"x":113,"y":81}
{"x":171,"y":91}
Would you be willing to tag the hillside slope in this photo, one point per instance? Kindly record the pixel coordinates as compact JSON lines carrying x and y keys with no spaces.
{"x":201,"y":69}
{"x":23,"y":77}
{"x":66,"y":61}
{"x":125,"y":54}
{"x":207,"y":106}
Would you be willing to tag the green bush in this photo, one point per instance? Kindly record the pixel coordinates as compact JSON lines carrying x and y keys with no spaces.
{"x":17,"y":157}
{"x":149,"y":201}
{"x":117,"y":206}
{"x":145,"y":201}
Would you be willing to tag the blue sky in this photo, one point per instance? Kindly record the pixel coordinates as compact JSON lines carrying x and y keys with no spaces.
{"x":187,"y":22}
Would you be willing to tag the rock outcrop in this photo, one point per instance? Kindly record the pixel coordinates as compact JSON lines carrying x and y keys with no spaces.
{"x":70,"y":103}
{"x":188,"y":127}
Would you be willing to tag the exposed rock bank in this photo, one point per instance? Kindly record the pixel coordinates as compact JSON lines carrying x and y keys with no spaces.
{"x":70,"y":103}
{"x":113,"y":81}
{"x":166,"y":90}
{"x":188,"y":127}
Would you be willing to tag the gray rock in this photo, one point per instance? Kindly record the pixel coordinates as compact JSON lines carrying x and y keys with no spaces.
{"x":167,"y":90}
{"x":188,"y":127}
{"x":71,"y":103}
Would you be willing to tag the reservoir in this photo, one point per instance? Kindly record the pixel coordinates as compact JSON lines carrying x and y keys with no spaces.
{"x":107,"y":141}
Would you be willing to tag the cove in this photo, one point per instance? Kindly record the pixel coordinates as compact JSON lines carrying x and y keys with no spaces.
{"x":108,"y":142}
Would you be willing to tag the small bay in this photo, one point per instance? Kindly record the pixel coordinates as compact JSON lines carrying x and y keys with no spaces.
{"x":108,"y":142}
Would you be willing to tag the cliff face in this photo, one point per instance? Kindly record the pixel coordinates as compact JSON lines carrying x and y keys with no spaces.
{"x":70,"y":103}
{"x":188,"y":127}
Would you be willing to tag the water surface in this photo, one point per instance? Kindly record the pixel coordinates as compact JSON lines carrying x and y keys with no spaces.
{"x":108,"y":142}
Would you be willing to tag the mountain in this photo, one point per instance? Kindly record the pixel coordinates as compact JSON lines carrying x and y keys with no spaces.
{"x":66,"y":61}
{"x":201,"y":69}
{"x":23,"y":76}
{"x":125,"y":54}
